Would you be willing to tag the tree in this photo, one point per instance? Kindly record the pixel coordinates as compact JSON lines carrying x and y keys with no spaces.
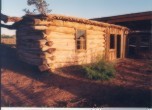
{"x":41,"y":7}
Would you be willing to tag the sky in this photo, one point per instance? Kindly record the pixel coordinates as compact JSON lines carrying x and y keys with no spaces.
{"x":79,"y":8}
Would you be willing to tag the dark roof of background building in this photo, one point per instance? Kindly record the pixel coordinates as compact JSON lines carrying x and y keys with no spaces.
{"x":126,"y":17}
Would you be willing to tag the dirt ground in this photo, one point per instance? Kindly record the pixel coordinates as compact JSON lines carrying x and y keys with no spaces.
{"x":23,"y":85}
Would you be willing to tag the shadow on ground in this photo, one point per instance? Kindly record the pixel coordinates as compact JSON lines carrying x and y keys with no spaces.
{"x":23,"y":85}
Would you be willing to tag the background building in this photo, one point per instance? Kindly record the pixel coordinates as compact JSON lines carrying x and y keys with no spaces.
{"x":139,"y":40}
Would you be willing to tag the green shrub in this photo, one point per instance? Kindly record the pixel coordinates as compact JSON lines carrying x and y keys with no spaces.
{"x":99,"y":70}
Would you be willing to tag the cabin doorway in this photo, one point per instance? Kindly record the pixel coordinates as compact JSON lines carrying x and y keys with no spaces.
{"x":118,"y":46}
{"x":115,"y":44}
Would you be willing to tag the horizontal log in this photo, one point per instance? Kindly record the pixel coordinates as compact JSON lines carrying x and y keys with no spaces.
{"x":51,"y":57}
{"x":27,"y":37}
{"x":47,"y":61}
{"x":29,"y":55}
{"x":95,"y":46}
{"x":10,"y":19}
{"x":58,"y":53}
{"x":29,"y":51}
{"x":58,"y":41}
{"x":29,"y":32}
{"x":57,"y":23}
{"x":90,"y":42}
{"x":59,"y":64}
{"x":44,"y":67}
{"x":63,"y":46}
{"x":42,"y":28}
{"x":49,"y":43}
{"x":29,"y":45}
{"x":31,"y":60}
{"x":74,"y":25}
{"x":37,"y":42}
{"x":68,"y":45}
{"x":97,"y":28}
{"x":46,"y":55}
{"x":66,"y":30}
{"x":92,"y":32}
{"x":82,"y":26}
{"x":93,"y":50}
{"x":35,"y":50}
{"x":44,"y":48}
{"x":71,"y":25}
{"x":93,"y":39}
{"x":90,"y":37}
{"x":51,"y":50}
{"x":58,"y":35}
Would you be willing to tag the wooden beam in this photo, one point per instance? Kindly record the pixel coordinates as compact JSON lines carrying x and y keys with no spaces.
{"x":6,"y":18}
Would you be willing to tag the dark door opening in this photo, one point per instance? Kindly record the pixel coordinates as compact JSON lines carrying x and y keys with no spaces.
{"x":118,"y":46}
{"x":112,"y":41}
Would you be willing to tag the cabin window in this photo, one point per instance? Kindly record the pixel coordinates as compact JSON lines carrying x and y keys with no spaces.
{"x":81,"y":39}
{"x":112,"y":41}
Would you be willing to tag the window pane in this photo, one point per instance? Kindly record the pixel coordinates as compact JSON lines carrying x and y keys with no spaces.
{"x":80,"y":33}
{"x":81,"y":39}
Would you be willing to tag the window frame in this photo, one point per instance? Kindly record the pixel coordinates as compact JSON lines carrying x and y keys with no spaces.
{"x":85,"y":40}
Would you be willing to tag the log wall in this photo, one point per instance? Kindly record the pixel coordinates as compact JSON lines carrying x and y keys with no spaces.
{"x":52,"y":44}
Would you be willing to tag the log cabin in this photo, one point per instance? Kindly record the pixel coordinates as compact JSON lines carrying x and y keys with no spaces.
{"x":56,"y":41}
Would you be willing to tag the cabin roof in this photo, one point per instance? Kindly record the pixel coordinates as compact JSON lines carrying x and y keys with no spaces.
{"x":50,"y":17}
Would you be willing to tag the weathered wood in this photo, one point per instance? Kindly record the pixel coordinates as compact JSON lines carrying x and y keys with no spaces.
{"x":32,"y":37}
{"x":90,"y":43}
{"x":96,"y":28}
{"x":11,"y":27}
{"x":51,"y":50}
{"x":58,"y":35}
{"x":91,"y":32}
{"x":27,"y":41}
{"x":90,"y":37}
{"x":29,"y":55}
{"x":57,"y":23}
{"x":29,"y":49}
{"x":31,"y":60}
{"x":51,"y":42}
{"x":66,"y":30}
{"x":42,"y":28}
{"x":82,"y":26}
{"x":44,"y":67}
{"x":46,"y":55}
{"x":58,"y":53}
{"x":6,"y":18}
{"x":44,"y":48}
{"x":58,"y":41}
{"x":71,"y":25}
